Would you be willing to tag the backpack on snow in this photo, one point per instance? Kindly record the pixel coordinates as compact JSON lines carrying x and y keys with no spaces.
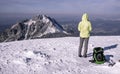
{"x":98,"y":55}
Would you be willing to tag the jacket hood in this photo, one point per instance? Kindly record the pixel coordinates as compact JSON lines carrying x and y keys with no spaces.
{"x":85,"y":17}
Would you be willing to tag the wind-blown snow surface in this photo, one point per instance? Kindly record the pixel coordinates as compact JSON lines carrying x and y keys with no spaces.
{"x":57,"y":56}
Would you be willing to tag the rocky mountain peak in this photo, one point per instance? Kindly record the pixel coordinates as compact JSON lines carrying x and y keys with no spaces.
{"x":40,"y":26}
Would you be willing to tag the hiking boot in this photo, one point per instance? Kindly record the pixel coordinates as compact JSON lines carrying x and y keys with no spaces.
{"x":80,"y":55}
{"x":85,"y":56}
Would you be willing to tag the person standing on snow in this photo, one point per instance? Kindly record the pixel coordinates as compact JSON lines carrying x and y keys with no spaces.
{"x":85,"y":28}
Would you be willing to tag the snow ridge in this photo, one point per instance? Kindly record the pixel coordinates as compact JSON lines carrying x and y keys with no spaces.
{"x":57,"y":56}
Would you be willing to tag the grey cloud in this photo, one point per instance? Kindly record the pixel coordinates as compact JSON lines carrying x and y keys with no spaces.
{"x":62,"y":6}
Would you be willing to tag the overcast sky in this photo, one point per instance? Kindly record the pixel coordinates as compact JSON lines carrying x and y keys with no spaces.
{"x":98,"y":7}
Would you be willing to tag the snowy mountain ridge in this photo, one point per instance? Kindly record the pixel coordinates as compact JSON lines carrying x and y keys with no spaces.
{"x":57,"y":56}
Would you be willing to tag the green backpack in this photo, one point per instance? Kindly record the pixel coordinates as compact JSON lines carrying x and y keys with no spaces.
{"x":98,"y":55}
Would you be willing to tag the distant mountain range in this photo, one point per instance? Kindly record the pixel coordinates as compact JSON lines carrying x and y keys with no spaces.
{"x":42,"y":26}
{"x":100,"y":27}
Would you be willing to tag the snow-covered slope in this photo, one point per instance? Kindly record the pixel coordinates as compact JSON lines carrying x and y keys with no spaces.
{"x":57,"y":56}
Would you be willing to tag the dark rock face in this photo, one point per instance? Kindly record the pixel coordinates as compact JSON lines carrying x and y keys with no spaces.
{"x":3,"y":35}
{"x":38,"y":27}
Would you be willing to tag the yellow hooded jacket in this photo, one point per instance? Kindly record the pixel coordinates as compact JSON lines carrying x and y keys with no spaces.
{"x":84,"y":27}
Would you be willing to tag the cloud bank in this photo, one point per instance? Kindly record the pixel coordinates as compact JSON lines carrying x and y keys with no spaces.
{"x":99,"y":7}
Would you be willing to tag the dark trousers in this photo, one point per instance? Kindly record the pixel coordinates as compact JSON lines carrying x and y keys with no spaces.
{"x":85,"y":42}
